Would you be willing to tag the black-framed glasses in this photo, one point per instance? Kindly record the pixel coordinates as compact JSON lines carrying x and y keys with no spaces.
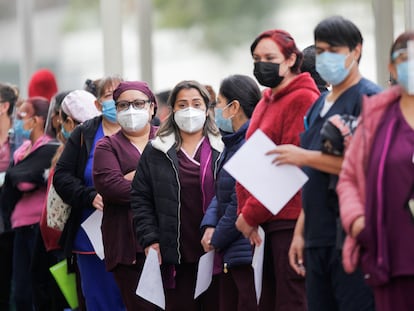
{"x":137,"y":104}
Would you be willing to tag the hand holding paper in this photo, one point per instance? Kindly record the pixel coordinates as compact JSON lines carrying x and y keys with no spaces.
{"x":288,"y":154}
{"x":243,"y":226}
{"x":257,"y":264}
{"x":272,"y":185}
{"x":206,"y":239}
{"x":204,"y":273}
{"x":255,"y":238}
{"x":150,"y":285}
{"x":156,"y":247}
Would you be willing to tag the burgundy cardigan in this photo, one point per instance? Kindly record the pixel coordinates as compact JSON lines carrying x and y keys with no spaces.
{"x":115,"y":157}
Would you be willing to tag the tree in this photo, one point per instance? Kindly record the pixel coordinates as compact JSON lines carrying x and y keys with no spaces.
{"x":217,"y":24}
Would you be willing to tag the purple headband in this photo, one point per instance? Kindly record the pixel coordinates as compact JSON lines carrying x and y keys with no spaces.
{"x":134,"y":85}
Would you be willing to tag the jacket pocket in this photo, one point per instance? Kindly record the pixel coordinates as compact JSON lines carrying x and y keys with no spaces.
{"x":375,"y":273}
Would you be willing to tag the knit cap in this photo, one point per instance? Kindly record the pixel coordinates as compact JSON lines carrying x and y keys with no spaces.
{"x":43,"y":83}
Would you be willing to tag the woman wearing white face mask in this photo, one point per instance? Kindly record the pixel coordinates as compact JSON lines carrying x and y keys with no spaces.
{"x":115,"y":160}
{"x":172,"y":188}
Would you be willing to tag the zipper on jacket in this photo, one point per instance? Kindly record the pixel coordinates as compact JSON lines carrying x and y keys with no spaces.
{"x":216,"y":166}
{"x":179,"y":207}
{"x":225,"y":270}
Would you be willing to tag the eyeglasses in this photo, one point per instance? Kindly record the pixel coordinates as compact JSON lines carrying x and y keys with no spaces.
{"x":137,"y":104}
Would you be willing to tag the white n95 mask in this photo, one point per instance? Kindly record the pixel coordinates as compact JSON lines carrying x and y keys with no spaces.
{"x":190,"y":119}
{"x":132,"y":120}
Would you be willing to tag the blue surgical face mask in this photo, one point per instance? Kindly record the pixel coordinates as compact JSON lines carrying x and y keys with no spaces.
{"x":19,"y":130}
{"x":402,"y":74}
{"x":331,"y":67}
{"x":109,"y":110}
{"x":222,"y":123}
{"x":65,"y":133}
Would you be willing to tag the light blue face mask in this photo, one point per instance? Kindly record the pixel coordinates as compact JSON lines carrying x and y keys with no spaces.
{"x":109,"y":110}
{"x":402,"y":75}
{"x":65,"y":133}
{"x":222,"y":123}
{"x":19,"y":130}
{"x":331,"y":67}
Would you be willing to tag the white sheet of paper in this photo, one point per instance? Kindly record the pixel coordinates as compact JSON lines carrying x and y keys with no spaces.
{"x":204,"y":273}
{"x":92,"y":227}
{"x":272,"y":185}
{"x":2,"y":175}
{"x":150,"y":284}
{"x":410,"y":52}
{"x":257,"y":264}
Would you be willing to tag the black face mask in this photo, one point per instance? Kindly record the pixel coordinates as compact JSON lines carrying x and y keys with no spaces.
{"x":267,"y":74}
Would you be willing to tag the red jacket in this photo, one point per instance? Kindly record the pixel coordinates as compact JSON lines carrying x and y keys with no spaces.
{"x":280,"y":117}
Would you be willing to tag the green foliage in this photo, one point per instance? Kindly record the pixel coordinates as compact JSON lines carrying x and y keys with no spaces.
{"x":81,"y":14}
{"x":178,"y":13}
{"x":222,"y":22}
{"x":214,"y":24}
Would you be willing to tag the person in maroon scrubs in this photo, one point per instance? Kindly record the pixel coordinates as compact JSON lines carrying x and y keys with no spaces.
{"x":115,"y":161}
{"x":171,"y":191}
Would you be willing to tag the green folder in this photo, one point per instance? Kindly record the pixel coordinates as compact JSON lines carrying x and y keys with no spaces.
{"x":66,"y":282}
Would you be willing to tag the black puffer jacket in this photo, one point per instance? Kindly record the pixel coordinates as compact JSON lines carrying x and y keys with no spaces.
{"x":222,"y":211}
{"x":155,"y":196}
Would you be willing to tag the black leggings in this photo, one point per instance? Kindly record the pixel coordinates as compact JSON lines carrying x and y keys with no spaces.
{"x":6,"y":264}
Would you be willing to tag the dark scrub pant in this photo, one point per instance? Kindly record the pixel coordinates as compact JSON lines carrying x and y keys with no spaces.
{"x":282,"y":288}
{"x":330,"y":288}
